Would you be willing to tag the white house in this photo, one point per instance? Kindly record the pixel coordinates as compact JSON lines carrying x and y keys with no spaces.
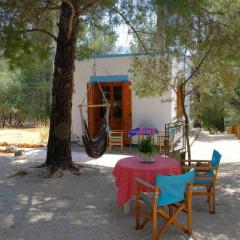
{"x":128,"y":111}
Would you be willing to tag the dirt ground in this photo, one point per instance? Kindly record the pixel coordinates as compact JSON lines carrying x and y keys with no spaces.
{"x":83,"y":206}
{"x":25,"y":135}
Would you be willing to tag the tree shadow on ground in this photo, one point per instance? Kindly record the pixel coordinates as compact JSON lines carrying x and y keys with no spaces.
{"x":84,"y":207}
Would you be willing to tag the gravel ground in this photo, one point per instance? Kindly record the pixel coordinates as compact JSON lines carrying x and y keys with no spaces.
{"x":73,"y":207}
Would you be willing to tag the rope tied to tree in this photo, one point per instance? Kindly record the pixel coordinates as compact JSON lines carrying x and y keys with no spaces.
{"x":95,"y":147}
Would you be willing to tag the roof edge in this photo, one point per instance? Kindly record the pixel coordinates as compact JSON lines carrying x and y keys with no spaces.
{"x":119,"y":55}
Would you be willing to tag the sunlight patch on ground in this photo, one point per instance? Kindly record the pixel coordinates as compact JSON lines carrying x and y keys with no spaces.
{"x":20,"y":161}
{"x":40,"y":216}
{"x":8,"y":220}
{"x":35,"y":151}
{"x":22,"y":199}
{"x":231,"y":191}
{"x":61,"y":204}
{"x":107,"y":160}
{"x":90,"y":207}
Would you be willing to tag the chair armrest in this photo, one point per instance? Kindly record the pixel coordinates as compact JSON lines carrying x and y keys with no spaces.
{"x":197,"y":161}
{"x":152,"y":195}
{"x":199,"y":168}
{"x":145,"y":184}
{"x":204,"y":178}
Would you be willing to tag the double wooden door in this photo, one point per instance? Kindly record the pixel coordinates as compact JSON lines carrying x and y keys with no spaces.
{"x":118,"y":94}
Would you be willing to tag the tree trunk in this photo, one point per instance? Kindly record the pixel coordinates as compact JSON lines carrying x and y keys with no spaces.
{"x":182,"y":96}
{"x":59,"y":142}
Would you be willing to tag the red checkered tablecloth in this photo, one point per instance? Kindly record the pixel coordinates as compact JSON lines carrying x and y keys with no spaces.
{"x":127,"y":169}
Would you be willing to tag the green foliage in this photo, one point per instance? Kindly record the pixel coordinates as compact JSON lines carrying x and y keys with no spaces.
{"x":35,"y":91}
{"x":25,"y":49}
{"x":178,"y":28}
{"x":235,"y":101}
{"x":233,"y":108}
{"x":27,"y":56}
{"x":213,"y":110}
{"x":146,"y":146}
{"x":24,"y":94}
{"x":189,"y":29}
{"x":27,"y":76}
{"x":8,"y":86}
{"x":151,"y":75}
{"x":95,"y":37}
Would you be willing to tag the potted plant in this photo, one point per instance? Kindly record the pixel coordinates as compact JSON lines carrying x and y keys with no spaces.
{"x":147,"y":149}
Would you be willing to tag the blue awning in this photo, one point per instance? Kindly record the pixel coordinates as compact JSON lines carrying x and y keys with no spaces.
{"x":109,"y":78}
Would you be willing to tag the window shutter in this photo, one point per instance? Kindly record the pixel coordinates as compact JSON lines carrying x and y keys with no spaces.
{"x":127,"y":110}
{"x":93,"y":97}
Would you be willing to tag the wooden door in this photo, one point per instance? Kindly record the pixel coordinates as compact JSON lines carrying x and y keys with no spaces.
{"x":114,"y":95}
{"x":118,"y":94}
{"x":127,"y":110}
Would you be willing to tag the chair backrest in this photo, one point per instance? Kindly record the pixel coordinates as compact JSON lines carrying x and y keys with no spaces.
{"x":116,"y":136}
{"x":216,"y":157}
{"x":172,"y":133}
{"x":172,"y":188}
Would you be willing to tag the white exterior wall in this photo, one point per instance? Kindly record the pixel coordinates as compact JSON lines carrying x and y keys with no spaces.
{"x":146,"y":112}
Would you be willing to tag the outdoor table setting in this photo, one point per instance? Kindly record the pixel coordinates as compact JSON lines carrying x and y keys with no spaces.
{"x":140,"y":132}
{"x":127,"y":169}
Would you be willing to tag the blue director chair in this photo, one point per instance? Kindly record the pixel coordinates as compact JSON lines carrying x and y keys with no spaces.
{"x":171,"y":191}
{"x":206,"y":176}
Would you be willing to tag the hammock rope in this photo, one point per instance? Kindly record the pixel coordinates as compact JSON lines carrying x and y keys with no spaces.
{"x":95,"y":147}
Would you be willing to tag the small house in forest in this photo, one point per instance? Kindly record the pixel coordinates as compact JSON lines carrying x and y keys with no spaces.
{"x":127,"y":110}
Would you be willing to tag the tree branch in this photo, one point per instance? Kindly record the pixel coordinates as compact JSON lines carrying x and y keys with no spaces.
{"x":36,"y":30}
{"x":51,"y":5}
{"x":133,"y":29}
{"x":173,"y":88}
{"x":215,"y":12}
{"x":87,"y":6}
{"x":198,"y":66}
{"x":186,"y":94}
{"x":144,"y":32}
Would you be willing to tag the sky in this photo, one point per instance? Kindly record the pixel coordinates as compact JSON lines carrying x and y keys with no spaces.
{"x":124,"y":39}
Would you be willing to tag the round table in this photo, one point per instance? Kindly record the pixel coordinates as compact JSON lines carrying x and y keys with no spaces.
{"x":127,"y":169}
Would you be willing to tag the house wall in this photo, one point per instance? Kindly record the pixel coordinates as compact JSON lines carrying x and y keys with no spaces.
{"x":149,"y":112}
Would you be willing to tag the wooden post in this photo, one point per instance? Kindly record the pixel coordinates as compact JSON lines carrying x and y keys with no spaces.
{"x":137,"y":203}
{"x":189,"y":207}
{"x":154,"y":215}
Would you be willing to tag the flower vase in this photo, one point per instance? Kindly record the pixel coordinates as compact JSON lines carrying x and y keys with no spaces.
{"x":146,"y":157}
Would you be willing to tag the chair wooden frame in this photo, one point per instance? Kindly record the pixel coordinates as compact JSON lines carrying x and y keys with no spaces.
{"x":204,"y":166}
{"x":116,"y":138}
{"x":170,"y":216}
{"x":164,"y":143}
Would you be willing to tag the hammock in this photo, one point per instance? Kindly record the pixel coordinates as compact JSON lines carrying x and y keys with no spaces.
{"x":95,"y":147}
